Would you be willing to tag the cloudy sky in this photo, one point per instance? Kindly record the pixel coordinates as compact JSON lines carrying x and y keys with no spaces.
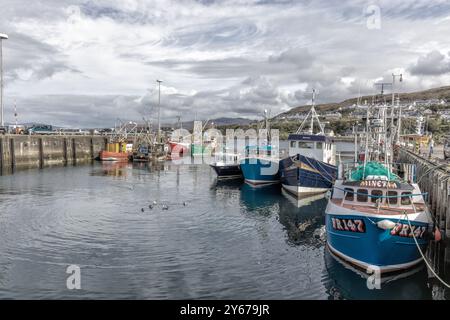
{"x":89,"y":62}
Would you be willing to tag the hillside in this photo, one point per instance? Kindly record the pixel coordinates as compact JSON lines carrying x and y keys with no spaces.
{"x":219,"y":122}
{"x":410,"y":97}
{"x":439,"y":126}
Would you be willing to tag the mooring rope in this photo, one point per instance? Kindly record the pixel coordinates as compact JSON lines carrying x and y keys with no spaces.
{"x":424,"y":258}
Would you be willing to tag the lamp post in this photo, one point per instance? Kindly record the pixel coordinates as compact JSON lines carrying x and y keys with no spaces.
{"x":159,"y":110}
{"x":2,"y":37}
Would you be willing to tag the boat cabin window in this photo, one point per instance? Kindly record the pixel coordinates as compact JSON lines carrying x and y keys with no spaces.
{"x":306,"y":145}
{"x":392,"y":197}
{"x":319,"y":145}
{"x":377,"y":194}
{"x":362,"y":195}
{"x":349,"y":194}
{"x":406,"y":200}
{"x":293,"y":144}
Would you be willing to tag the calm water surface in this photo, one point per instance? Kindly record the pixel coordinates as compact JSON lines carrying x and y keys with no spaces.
{"x":215,"y":240}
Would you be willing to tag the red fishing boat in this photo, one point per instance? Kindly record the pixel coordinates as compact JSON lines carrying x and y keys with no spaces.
{"x":114,"y":152}
{"x":113,"y":156}
{"x":179,"y":149}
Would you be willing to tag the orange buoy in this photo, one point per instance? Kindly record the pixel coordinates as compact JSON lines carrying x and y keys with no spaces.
{"x":437,"y":235}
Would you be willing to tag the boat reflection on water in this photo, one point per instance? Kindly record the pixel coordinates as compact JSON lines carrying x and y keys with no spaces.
{"x":302,"y":201}
{"x":112,"y":169}
{"x":228,"y":184}
{"x":264,"y":199}
{"x":303,"y":219}
{"x":342,"y":282}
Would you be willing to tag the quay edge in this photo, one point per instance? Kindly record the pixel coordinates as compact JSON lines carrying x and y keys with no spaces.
{"x":38,"y":151}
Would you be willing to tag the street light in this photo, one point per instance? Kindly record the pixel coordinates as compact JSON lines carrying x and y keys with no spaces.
{"x":2,"y":37}
{"x":159,"y":110}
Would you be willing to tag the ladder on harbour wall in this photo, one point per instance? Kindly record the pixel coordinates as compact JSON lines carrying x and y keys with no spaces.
{"x":434,"y":179}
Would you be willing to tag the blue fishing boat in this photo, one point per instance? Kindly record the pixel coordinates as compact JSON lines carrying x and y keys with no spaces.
{"x":373,"y":220}
{"x":377,"y":221}
{"x":310,"y":168}
{"x":305,"y":176}
{"x":260,"y":165}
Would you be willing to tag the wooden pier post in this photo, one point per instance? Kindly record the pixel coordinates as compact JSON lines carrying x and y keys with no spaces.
{"x":12,"y":154}
{"x":41,"y":153}
{"x":74,"y":152}
{"x":92,"y":149}
{"x":65,"y":159}
{"x":1,"y":156}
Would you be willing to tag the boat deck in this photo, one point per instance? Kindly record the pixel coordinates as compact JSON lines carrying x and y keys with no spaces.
{"x":371,"y":209}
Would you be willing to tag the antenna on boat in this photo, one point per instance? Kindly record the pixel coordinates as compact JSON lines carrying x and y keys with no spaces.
{"x":314,"y":116}
{"x":383,"y":85}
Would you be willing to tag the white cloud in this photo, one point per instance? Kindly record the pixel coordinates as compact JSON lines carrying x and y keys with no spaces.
{"x":98,"y":60}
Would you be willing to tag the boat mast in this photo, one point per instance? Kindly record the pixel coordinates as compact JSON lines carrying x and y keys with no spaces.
{"x":399,"y":124}
{"x":313,"y":100}
{"x":314,"y":116}
{"x":366,"y":151}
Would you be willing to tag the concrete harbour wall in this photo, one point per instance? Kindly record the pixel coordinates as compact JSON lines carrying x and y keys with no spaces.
{"x":26,"y":152}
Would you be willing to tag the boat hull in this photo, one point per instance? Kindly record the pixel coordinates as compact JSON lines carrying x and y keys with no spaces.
{"x":227,"y":171}
{"x":356,"y":238}
{"x":304,"y":176}
{"x":113,"y":156}
{"x":178,"y":149}
{"x":257,"y":171}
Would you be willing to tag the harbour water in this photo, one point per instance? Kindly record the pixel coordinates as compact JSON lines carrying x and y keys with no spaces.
{"x":201,"y":240}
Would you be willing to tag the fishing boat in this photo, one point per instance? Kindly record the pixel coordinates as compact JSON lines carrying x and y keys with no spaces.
{"x":118,"y":148}
{"x":375,"y":219}
{"x":260,"y":163}
{"x":178,"y":148}
{"x":142,"y":153}
{"x":226,"y":166}
{"x":114,"y":152}
{"x":259,"y":166}
{"x":310,"y":168}
{"x":204,"y":144}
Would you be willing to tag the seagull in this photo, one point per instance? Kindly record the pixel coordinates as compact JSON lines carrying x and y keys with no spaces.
{"x":154,"y":202}
{"x":184,"y":204}
{"x":150,"y":206}
{"x":142,"y":210}
{"x":165,"y":207}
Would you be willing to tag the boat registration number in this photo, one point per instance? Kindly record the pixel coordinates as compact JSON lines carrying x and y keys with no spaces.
{"x":352,"y":225}
{"x":404,"y":230}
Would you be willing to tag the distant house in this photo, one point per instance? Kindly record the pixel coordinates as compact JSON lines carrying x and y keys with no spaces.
{"x":429,"y":102}
{"x":332,"y":116}
{"x":358,"y":114}
{"x":444,"y":112}
{"x":297,"y":116}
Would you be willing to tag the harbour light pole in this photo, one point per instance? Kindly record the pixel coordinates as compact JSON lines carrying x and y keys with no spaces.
{"x":2,"y":37}
{"x":159,"y":110}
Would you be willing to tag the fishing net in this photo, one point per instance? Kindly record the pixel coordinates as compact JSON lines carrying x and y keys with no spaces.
{"x":373,"y":169}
